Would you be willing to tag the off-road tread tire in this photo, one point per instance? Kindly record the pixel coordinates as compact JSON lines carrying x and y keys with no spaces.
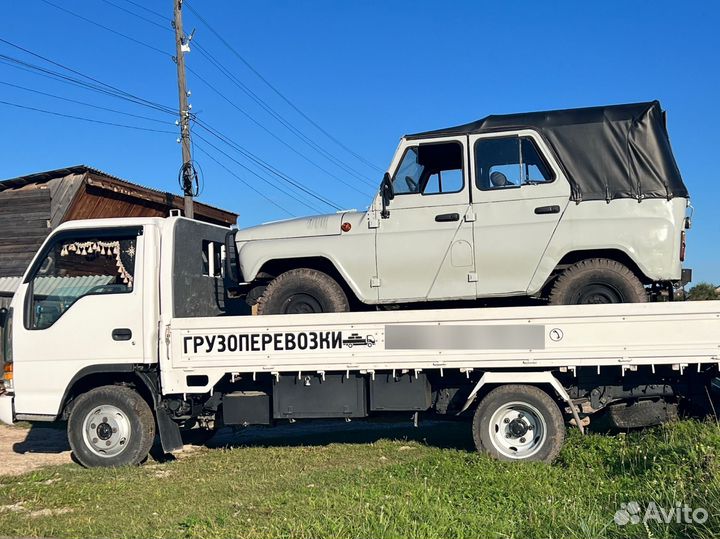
{"x":597,"y":269}
{"x":303,"y":280}
{"x":142,"y":424}
{"x":523,"y":393}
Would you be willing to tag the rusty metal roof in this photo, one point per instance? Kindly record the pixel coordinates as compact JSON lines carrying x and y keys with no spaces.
{"x":41,"y":177}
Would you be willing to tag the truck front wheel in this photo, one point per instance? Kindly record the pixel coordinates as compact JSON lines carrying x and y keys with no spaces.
{"x":519,"y":422}
{"x":597,"y":280}
{"x":111,"y":426}
{"x":301,"y":291}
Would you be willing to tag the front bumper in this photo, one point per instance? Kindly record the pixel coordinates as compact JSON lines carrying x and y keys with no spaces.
{"x":7,"y":412}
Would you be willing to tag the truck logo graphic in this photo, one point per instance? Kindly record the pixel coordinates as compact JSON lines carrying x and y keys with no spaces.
{"x":355,"y":339}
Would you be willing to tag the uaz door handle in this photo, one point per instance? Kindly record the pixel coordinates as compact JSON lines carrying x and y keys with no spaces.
{"x":547,"y":209}
{"x":121,"y":334}
{"x":445,"y":217}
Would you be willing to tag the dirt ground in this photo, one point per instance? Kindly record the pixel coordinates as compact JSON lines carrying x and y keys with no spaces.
{"x":26,"y":449}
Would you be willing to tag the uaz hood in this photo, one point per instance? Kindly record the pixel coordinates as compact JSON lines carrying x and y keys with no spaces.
{"x":317,"y":225}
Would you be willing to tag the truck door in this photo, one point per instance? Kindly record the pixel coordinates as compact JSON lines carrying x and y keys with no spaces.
{"x":82,"y":305}
{"x":424,"y":247}
{"x":519,"y":196}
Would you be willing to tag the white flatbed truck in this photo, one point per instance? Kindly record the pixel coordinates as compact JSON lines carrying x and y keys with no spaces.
{"x":123,"y":328}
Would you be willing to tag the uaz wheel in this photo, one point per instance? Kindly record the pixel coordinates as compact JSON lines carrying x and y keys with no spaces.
{"x":111,"y":426}
{"x":597,"y":280}
{"x":519,"y":422}
{"x":302,"y":291}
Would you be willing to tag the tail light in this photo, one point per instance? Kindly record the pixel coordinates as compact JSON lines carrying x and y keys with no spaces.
{"x":7,"y":349}
{"x":8,"y":372}
{"x":682,"y":246}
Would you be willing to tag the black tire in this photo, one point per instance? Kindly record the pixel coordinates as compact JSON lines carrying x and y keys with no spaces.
{"x":597,"y":280}
{"x":517,"y":422}
{"x":129,"y":432}
{"x":301,"y":291}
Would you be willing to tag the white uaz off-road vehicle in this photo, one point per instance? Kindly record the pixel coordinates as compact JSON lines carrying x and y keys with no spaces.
{"x":573,"y":206}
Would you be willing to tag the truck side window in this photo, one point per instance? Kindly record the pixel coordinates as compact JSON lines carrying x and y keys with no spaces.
{"x":212,"y":258}
{"x":78,"y":267}
{"x":430,"y":169}
{"x":507,"y":162}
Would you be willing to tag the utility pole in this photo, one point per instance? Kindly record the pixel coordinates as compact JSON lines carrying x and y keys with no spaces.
{"x":187,"y":171}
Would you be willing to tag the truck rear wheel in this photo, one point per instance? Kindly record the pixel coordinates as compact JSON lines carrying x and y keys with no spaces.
{"x":519,"y":422}
{"x":301,"y":291}
{"x":111,"y":426}
{"x":597,"y":280}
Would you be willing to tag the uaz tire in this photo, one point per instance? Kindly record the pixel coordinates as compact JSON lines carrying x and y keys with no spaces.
{"x":301,"y":291}
{"x":597,"y":280}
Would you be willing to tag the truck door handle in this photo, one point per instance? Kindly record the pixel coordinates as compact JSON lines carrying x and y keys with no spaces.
{"x":445,"y":217}
{"x":542,"y":210}
{"x":121,"y":334}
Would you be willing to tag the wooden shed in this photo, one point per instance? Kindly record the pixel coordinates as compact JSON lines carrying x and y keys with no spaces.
{"x":31,"y":206}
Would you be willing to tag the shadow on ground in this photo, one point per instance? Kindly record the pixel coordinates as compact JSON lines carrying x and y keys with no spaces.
{"x":43,"y":439}
{"x":443,"y":434}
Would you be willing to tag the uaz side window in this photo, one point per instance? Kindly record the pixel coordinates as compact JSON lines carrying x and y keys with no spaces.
{"x":430,"y":169}
{"x":507,"y":162}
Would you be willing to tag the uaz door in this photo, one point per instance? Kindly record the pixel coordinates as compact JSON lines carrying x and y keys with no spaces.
{"x":519,"y":195}
{"x":424,"y":246}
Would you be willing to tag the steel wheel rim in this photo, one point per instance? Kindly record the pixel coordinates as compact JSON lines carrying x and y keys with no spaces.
{"x":598,"y":293}
{"x":106,"y":430}
{"x":517,"y":430}
{"x":302,"y":304}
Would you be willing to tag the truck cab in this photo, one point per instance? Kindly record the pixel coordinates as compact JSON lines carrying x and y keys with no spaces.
{"x":541,"y":205}
{"x":96,"y":287}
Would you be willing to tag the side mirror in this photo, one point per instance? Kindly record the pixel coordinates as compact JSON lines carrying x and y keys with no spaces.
{"x":3,"y":317}
{"x":386,"y":194}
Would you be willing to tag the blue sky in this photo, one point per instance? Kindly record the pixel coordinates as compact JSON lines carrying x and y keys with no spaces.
{"x":367,"y":72}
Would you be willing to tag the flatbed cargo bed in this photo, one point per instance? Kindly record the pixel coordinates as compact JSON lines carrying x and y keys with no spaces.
{"x":544,"y":337}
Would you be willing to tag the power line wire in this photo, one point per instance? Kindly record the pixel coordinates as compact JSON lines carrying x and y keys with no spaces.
{"x":294,"y":196}
{"x":106,"y":28}
{"x":120,"y":93}
{"x":263,"y":164}
{"x":240,"y":179}
{"x":163,"y":17}
{"x":283,"y":121}
{"x":276,"y":137}
{"x":108,"y":87}
{"x":164,"y":27}
{"x":53,"y":75}
{"x":113,"y":124}
{"x":244,"y":88}
{"x":280,"y":94}
{"x":85,"y":104}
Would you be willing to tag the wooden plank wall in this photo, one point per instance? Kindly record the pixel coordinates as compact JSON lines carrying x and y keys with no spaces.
{"x":24,"y":224}
{"x":96,"y":203}
{"x":62,"y":193}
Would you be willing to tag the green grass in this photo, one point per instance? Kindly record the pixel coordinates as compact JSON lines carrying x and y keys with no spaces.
{"x":386,"y":488}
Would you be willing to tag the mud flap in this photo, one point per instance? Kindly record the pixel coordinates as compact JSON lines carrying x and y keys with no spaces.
{"x":170,"y":437}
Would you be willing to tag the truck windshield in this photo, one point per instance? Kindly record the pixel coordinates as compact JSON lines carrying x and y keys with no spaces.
{"x":78,"y":267}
